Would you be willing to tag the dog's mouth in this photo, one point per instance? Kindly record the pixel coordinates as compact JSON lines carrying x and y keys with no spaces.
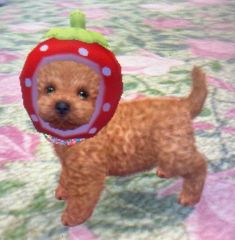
{"x":63,"y":123}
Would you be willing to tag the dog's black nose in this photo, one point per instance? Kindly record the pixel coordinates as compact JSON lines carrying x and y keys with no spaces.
{"x":62,"y":108}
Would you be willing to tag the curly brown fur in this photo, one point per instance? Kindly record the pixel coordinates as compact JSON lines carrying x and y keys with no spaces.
{"x":160,"y":135}
{"x":67,"y":78}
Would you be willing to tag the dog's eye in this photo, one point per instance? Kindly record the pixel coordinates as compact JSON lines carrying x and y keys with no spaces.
{"x":83,"y":94}
{"x":50,"y":89}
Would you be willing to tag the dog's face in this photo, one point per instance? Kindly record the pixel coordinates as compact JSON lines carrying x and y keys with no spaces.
{"x":67,"y":93}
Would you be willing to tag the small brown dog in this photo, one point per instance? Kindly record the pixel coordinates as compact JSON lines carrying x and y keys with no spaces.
{"x":143,"y":134}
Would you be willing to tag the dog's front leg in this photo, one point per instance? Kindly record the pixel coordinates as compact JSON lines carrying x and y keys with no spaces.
{"x":60,"y":192}
{"x":84,"y":184}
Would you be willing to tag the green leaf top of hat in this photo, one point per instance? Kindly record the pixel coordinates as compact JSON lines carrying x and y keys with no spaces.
{"x":77,"y":31}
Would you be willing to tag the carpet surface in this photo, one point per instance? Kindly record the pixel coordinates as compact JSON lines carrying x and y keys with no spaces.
{"x":157,"y":43}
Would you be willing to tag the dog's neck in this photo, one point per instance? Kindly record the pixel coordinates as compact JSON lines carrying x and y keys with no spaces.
{"x":68,"y":142}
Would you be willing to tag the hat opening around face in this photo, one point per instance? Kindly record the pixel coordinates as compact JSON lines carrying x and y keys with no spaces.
{"x":85,"y":128}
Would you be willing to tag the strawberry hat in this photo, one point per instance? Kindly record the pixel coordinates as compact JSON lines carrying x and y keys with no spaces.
{"x":74,"y":43}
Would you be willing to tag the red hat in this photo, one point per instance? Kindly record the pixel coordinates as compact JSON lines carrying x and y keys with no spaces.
{"x":80,"y":45}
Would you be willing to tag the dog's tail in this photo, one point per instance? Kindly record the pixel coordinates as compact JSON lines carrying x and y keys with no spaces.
{"x":197,"y":97}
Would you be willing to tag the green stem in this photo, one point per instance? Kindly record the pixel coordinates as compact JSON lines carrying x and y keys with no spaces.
{"x":77,"y":19}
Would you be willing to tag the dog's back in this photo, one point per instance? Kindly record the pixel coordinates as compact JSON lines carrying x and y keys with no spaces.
{"x":139,"y":124}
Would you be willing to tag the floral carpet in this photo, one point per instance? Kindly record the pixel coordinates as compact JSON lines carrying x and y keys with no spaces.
{"x":157,"y":43}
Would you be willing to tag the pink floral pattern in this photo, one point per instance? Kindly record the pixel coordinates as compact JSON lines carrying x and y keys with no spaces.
{"x":230,"y":130}
{"x":68,"y":4}
{"x":162,"y":7}
{"x":212,"y":48}
{"x":7,"y":56}
{"x":203,"y":126}
{"x":81,"y":232}
{"x":222,"y":26}
{"x":214,"y":217}
{"x":28,"y":27}
{"x":146,"y":63}
{"x":163,"y":24}
{"x":11,"y":93}
{"x":16,"y":145}
{"x":230,"y":113}
{"x":221,"y":84}
{"x":209,"y":2}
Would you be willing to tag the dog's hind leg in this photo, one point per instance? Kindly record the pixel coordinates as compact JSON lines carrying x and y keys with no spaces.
{"x":179,"y":157}
{"x":193,"y":171}
{"x":194,"y":182}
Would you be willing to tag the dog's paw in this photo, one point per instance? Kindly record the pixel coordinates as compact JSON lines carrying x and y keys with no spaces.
{"x":68,"y":220}
{"x":71,"y":219}
{"x":75,"y":214}
{"x":188,"y":200}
